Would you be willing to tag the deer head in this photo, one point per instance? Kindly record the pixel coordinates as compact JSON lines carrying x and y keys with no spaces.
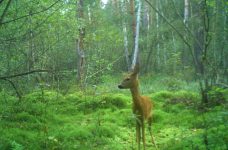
{"x":131,"y":80}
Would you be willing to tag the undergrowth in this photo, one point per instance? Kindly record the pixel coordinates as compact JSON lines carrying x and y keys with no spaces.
{"x":102,"y":119}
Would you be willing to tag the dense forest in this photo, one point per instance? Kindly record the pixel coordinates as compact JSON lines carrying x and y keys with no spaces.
{"x":64,"y":63}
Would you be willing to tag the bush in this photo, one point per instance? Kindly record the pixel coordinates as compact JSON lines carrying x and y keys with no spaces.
{"x":172,"y":84}
{"x":217,"y":96}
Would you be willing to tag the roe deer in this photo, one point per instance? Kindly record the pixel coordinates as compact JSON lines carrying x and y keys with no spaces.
{"x":142,"y":106}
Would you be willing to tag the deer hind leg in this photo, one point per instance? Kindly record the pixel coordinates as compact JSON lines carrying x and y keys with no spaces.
{"x":143,"y":135}
{"x":149,"y":128}
{"x":138,"y":134}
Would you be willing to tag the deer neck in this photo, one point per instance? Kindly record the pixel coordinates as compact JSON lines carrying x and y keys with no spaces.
{"x":135,"y":94}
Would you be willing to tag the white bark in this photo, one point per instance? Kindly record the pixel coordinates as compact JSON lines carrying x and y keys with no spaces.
{"x":123,"y":8}
{"x":126,"y":45}
{"x":146,"y":17}
{"x":136,"y":49}
{"x":186,"y":12}
{"x":157,"y":26}
{"x":89,"y":13}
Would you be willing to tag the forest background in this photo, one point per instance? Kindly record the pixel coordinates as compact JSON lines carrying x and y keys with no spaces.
{"x":61,"y":62}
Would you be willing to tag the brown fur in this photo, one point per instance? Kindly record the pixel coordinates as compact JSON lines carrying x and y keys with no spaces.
{"x":141,"y":106}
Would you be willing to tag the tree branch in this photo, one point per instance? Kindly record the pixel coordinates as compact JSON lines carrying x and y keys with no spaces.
{"x":167,"y":21}
{"x":1,"y":1}
{"x":23,"y":74}
{"x":5,"y":10}
{"x":35,"y":13}
{"x":178,"y":33}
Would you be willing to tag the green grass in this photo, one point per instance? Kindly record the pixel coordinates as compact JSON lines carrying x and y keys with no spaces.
{"x":101,"y":118}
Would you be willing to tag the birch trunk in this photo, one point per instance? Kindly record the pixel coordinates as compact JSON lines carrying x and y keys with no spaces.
{"x":186,"y":12}
{"x":149,"y":50}
{"x":157,"y":26}
{"x":136,"y":49}
{"x":123,"y":9}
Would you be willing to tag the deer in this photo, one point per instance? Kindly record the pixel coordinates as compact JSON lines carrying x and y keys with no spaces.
{"x":142,"y":106}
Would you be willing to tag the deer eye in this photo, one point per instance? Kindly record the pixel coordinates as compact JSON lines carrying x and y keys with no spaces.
{"x":127,"y":79}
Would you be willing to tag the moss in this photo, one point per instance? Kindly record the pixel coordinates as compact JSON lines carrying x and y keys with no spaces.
{"x":76,"y":97}
{"x":162,"y":95}
{"x":44,"y":96}
{"x":102,"y":102}
{"x":104,"y":130}
{"x":178,"y":98}
{"x":105,"y":121}
{"x":159,"y":115}
{"x":117,"y":100}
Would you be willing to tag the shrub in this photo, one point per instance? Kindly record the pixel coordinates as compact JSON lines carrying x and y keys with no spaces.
{"x":217,"y":96}
{"x":172,"y":84}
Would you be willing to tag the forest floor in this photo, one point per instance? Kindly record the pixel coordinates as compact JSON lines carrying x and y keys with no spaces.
{"x":100,"y":118}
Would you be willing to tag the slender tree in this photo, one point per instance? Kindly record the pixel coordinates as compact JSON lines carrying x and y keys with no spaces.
{"x":80,"y":43}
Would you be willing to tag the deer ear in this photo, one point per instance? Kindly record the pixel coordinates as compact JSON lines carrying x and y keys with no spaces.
{"x":136,"y":69}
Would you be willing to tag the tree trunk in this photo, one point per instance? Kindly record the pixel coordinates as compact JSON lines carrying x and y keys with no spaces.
{"x":31,"y":57}
{"x":157,"y":35}
{"x":123,"y":7}
{"x":136,"y":49}
{"x":80,"y":45}
{"x":146,"y":22}
{"x":186,"y":12}
{"x":132,"y":12}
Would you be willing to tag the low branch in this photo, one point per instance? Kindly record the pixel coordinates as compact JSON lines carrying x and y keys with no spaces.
{"x":23,"y":74}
